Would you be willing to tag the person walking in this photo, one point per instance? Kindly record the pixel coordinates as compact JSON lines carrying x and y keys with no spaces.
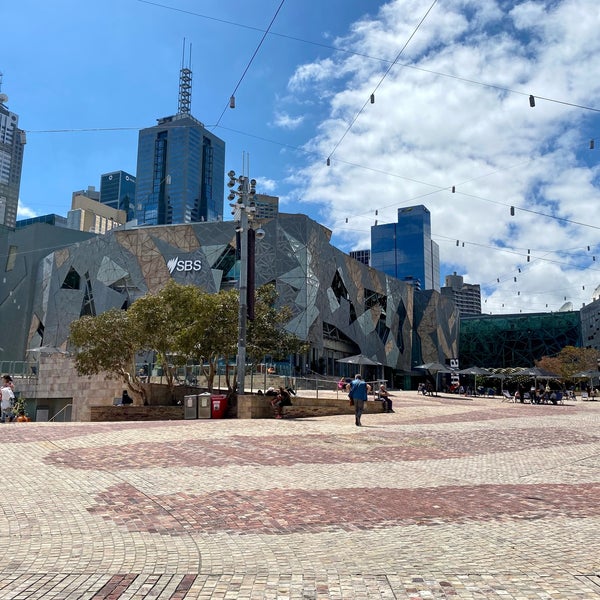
{"x":358,"y":394}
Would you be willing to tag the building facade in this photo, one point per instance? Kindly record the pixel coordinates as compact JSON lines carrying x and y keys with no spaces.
{"x":363,"y":256}
{"x":502,"y":341}
{"x":22,"y":253}
{"x":405,"y":249}
{"x":93,"y":216}
{"x":466,"y":296}
{"x":117,"y":190}
{"x":12,"y":143}
{"x":339,"y":306}
{"x":590,"y":323}
{"x":180,"y":173}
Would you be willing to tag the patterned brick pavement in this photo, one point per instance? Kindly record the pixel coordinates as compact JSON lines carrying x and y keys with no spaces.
{"x":448,"y":498}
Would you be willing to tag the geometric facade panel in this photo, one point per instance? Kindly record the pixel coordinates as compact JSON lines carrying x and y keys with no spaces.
{"x":326,"y":290}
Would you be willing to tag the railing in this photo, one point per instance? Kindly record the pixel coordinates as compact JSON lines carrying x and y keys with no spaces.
{"x":19,"y":368}
{"x":64,"y":412}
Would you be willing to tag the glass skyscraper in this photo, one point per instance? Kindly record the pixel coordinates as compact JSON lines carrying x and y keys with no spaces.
{"x":12,"y":141}
{"x":117,"y":190}
{"x":180,"y":173}
{"x":405,"y":249}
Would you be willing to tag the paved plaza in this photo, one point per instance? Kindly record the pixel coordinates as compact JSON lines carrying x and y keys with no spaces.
{"x":448,"y":497}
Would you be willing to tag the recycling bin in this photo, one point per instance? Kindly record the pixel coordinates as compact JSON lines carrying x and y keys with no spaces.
{"x":190,"y":407}
{"x":218,"y":405}
{"x":204,"y":408}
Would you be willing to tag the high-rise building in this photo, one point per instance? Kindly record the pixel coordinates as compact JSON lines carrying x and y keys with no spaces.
{"x":87,"y":214}
{"x":405,"y":249}
{"x":466,"y":296}
{"x":363,"y":256}
{"x":12,"y":141}
{"x":117,"y":190}
{"x":267,"y":207}
{"x":180,"y":168}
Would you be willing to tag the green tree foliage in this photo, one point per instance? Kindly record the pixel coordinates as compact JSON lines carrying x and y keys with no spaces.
{"x":108,"y":343}
{"x":266,"y":333}
{"x":181,"y":323}
{"x":571,"y":360}
{"x":161,"y":318}
{"x":213,"y":334}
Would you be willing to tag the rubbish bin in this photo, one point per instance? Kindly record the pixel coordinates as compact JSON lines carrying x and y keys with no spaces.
{"x":218,"y":405}
{"x":204,"y":406}
{"x":190,"y":404}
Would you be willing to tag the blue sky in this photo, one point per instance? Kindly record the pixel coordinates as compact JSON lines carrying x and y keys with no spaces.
{"x":452,"y":111}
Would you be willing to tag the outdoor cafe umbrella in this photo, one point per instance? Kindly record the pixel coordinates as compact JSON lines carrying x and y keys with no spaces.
{"x":475,"y":371}
{"x":535,"y":373}
{"x":433,"y":368}
{"x":360,"y":360}
{"x":591,"y":374}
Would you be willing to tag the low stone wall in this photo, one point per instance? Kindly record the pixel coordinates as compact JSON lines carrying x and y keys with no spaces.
{"x":248,"y":407}
{"x":259,"y":407}
{"x":136,"y":413}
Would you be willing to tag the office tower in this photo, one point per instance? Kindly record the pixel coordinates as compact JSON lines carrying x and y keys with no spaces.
{"x":88,"y":214}
{"x":466,"y":296}
{"x":180,"y":168}
{"x":117,"y":190}
{"x":405,"y":249}
{"x":12,"y":141}
{"x":363,"y":256}
{"x":267,"y":207}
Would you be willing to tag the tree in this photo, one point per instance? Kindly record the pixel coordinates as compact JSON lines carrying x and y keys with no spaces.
{"x":180,"y":323}
{"x":108,"y":343}
{"x":571,"y":360}
{"x":214,"y":332}
{"x":266,"y":333}
{"x":162,"y":319}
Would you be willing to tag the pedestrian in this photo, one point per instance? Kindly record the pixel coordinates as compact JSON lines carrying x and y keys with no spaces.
{"x":358,"y":394}
{"x":280,"y":401}
{"x":126,"y":398}
{"x":7,"y":400}
{"x":384,"y":396}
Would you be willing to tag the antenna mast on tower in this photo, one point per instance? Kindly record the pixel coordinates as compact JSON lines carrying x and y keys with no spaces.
{"x":185,"y":84}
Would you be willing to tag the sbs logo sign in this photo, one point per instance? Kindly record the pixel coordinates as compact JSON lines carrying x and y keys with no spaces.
{"x":183,"y":266}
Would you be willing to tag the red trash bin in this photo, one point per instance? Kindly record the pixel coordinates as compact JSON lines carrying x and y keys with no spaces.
{"x":218,"y":406}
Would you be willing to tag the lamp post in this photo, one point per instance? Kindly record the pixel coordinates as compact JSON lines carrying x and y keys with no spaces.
{"x":243,"y":211}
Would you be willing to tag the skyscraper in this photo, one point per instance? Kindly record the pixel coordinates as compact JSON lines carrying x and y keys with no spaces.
{"x":12,"y":141}
{"x":180,"y":168}
{"x":466,"y":296}
{"x":405,"y":249}
{"x":117,"y":190}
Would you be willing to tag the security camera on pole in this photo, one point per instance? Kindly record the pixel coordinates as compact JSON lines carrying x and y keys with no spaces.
{"x":243,"y":211}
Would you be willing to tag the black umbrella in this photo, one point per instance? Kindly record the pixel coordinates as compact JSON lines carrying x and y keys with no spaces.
{"x":359,"y":359}
{"x":475,"y":371}
{"x":536,"y":373}
{"x":434,"y":368}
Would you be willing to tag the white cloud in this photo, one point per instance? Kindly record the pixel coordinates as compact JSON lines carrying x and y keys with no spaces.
{"x":427,"y":132}
{"x":24,"y":212}
{"x":286,"y":121}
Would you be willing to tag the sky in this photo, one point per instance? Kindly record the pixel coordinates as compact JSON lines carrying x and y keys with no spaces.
{"x":451,"y":126}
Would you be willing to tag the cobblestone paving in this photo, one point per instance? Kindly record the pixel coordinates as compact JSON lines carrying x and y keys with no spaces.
{"x":448,"y":498}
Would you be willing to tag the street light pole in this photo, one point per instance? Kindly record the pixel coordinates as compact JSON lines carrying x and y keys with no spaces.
{"x":243,"y":309}
{"x":241,"y":210}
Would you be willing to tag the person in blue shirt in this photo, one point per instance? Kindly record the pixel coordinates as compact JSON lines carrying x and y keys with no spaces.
{"x":358,"y":393}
